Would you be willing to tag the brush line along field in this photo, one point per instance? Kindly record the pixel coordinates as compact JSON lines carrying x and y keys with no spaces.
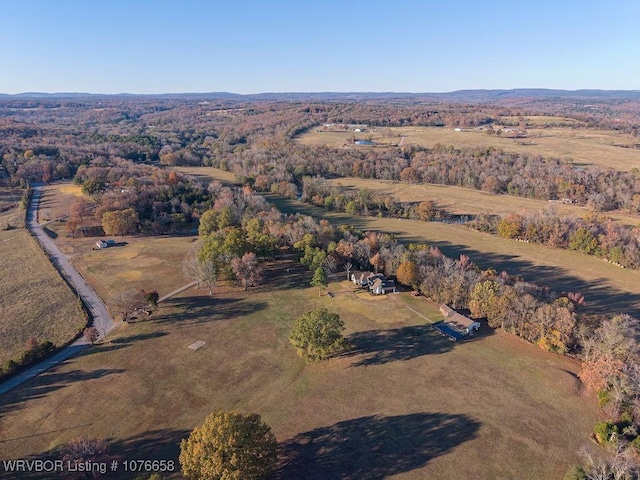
{"x":466,"y":201}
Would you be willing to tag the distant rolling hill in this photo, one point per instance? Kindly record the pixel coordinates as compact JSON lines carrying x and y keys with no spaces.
{"x":456,"y":96}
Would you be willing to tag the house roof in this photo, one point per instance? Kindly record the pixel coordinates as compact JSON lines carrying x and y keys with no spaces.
{"x":455,"y":318}
{"x":361,"y":276}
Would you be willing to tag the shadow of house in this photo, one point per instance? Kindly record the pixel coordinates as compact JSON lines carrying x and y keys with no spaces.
{"x":377,"y":347}
{"x":373,"y":447}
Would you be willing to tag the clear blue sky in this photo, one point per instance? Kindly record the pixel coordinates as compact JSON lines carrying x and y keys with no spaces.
{"x":161,"y":46}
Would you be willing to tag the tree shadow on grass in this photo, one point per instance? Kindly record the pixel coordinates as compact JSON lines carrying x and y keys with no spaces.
{"x":204,"y":309}
{"x":600,"y":295}
{"x":373,"y":447}
{"x":152,"y":445}
{"x":285,"y":273}
{"x":161,"y":444}
{"x":121,"y":342}
{"x":47,"y":382}
{"x":377,"y":347}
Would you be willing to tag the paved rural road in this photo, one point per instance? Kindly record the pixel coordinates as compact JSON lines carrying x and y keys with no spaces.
{"x":101,"y":318}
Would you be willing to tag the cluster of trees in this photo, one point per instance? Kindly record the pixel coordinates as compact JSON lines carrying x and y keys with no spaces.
{"x":33,"y":352}
{"x":129,"y":303}
{"x":316,"y":191}
{"x":592,"y":234}
{"x":611,"y":368}
{"x":127,"y":198}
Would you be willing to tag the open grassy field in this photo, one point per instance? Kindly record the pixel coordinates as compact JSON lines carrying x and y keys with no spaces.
{"x":581,"y":145}
{"x":606,"y":287}
{"x":55,"y":201}
{"x":465,"y":201}
{"x":208,"y":174}
{"x":543,"y":120}
{"x":405,"y":403}
{"x":9,"y":196}
{"x":149,"y":263}
{"x":34,"y":300}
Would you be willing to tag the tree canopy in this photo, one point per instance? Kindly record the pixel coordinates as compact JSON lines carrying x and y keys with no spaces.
{"x":317,"y":335}
{"x":229,"y":446}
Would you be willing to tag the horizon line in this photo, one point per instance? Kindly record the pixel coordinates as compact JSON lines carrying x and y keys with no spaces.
{"x":325,"y":92}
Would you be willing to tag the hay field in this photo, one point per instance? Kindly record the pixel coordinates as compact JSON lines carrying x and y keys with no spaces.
{"x":405,"y":403}
{"x":605,"y":148}
{"x":34,"y":300}
{"x":466,"y":201}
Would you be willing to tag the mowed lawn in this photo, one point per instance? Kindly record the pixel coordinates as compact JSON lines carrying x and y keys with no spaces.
{"x":605,"y":148}
{"x":405,"y":402}
{"x":34,"y":300}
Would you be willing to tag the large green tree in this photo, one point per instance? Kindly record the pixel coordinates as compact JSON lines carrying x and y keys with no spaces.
{"x":317,"y":335}
{"x":229,"y":446}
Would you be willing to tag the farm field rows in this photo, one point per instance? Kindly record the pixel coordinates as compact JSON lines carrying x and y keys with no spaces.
{"x":605,"y":148}
{"x":406,"y":402}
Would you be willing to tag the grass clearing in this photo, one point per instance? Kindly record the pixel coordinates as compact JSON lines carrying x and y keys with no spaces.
{"x":34,"y":300}
{"x":9,"y":197}
{"x":406,"y":403}
{"x":605,"y":148}
{"x":72,"y":189}
{"x":149,"y":263}
{"x":465,"y":201}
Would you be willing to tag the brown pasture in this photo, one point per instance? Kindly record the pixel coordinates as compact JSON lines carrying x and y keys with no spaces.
{"x":465,"y":201}
{"x":34,"y":300}
{"x":405,"y":402}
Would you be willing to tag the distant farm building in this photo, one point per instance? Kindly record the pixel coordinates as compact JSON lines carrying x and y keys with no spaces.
{"x":105,"y":243}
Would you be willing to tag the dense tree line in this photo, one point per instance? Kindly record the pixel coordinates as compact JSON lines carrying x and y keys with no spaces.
{"x":592,"y":234}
